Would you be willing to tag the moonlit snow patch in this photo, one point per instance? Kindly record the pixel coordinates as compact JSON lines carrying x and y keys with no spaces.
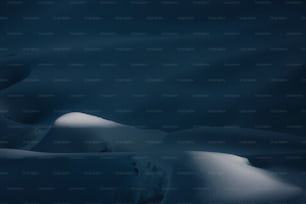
{"x":79,"y":132}
{"x":161,"y":177}
{"x":226,"y":178}
{"x":76,"y":119}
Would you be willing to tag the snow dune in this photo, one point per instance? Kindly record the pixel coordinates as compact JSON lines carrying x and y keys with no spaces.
{"x":121,"y":163}
{"x":206,"y":177}
{"x":166,"y":74}
{"x":79,"y":132}
{"x":190,"y":172}
{"x":161,"y":177}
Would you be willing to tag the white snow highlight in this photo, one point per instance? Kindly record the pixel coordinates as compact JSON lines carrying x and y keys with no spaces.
{"x":81,"y":120}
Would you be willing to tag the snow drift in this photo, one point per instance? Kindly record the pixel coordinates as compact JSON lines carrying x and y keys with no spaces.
{"x":79,"y":132}
{"x":161,"y":177}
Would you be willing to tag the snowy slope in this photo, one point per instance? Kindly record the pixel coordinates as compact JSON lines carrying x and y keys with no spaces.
{"x":163,"y":177}
{"x":79,"y":132}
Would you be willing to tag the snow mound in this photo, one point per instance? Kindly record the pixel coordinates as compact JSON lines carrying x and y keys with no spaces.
{"x":81,"y":120}
{"x":79,"y":132}
{"x":160,"y":177}
{"x":204,"y":177}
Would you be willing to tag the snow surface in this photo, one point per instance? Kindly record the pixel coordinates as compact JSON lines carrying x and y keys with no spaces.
{"x":188,"y":175}
{"x":79,"y":120}
{"x":45,"y":102}
{"x":79,"y":132}
{"x":163,"y":177}
{"x":157,"y":167}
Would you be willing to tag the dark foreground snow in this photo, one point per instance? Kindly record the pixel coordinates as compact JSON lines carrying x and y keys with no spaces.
{"x":84,"y":157}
